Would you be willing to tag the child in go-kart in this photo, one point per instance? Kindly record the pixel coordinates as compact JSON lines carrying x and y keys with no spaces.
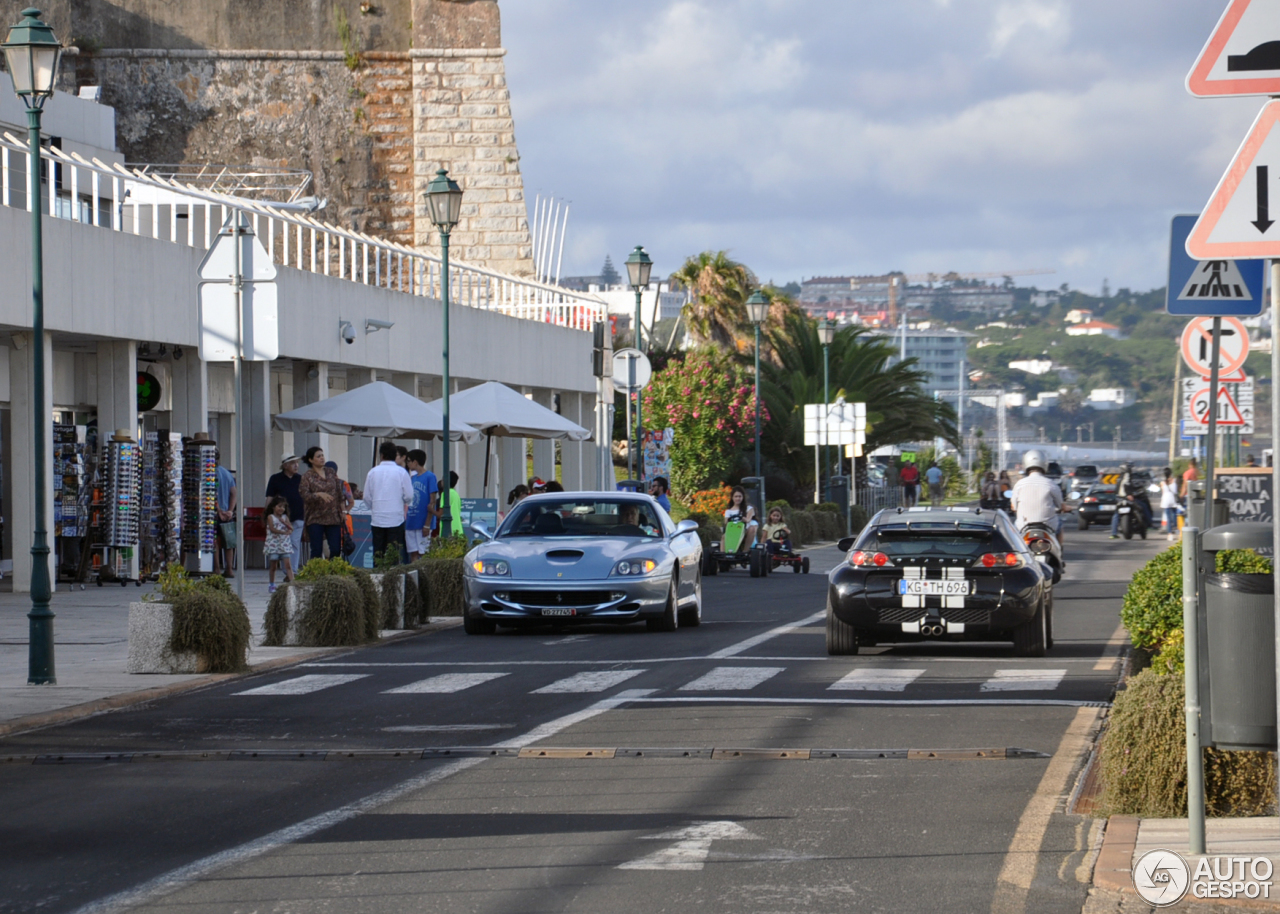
{"x":777,"y":535}
{"x":741,"y":511}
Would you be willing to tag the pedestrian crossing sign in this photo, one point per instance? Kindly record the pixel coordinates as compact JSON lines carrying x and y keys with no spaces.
{"x":1203,"y":288}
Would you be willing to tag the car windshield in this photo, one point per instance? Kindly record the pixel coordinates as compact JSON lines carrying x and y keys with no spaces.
{"x":1101,"y":490}
{"x":1055,"y":469}
{"x":947,"y":540}
{"x":582,"y":517}
{"x":1086,"y":470}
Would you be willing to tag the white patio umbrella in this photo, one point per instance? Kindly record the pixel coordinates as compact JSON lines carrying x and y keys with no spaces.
{"x":376,"y":410}
{"x":496,"y":409}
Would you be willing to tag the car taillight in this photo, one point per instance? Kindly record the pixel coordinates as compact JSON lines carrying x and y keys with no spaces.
{"x":1091,"y":501}
{"x":1001,"y":560}
{"x":878,"y":559}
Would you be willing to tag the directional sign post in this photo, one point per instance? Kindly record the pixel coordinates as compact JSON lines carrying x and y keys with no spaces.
{"x":1209,"y":287}
{"x":1235,"y":406}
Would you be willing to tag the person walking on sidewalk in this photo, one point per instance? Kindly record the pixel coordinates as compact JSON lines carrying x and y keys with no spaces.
{"x":937,"y":486}
{"x":285,"y":485}
{"x":388,"y":493}
{"x":910,"y":478}
{"x":1169,"y":504}
{"x":322,"y":500}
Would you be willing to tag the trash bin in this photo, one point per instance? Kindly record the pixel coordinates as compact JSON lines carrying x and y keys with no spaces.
{"x":1195,"y":506}
{"x":754,"y":487}
{"x":838,"y":492}
{"x":1237,"y":658}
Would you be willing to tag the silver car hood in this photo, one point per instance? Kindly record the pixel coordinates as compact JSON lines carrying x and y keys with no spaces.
{"x":568,"y":558}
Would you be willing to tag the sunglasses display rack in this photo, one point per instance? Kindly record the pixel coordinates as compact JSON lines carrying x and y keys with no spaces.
{"x":121,"y":510}
{"x":72,"y":497}
{"x":199,"y":506}
{"x":161,"y":531}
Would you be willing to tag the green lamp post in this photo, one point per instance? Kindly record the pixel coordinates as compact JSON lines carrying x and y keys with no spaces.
{"x":444,"y":205}
{"x":826,"y":334}
{"x":757,"y":311}
{"x":31,"y":55}
{"x":639,"y":269}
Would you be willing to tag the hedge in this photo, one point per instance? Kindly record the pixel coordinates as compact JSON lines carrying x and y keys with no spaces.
{"x":440,"y":586}
{"x":345,"y":607}
{"x":211,"y":621}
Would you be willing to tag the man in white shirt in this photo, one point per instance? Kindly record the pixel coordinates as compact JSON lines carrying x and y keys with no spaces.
{"x":1037,"y":499}
{"x":388,"y":493}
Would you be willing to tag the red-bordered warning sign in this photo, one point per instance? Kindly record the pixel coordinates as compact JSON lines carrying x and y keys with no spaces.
{"x":1236,"y":223}
{"x":1242,"y":56}
{"x":1197,"y":346}
{"x":1229,"y":414}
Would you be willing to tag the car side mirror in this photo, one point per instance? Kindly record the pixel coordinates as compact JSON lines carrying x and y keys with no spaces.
{"x":846,"y":543}
{"x":481,"y":529}
{"x":685,"y":526}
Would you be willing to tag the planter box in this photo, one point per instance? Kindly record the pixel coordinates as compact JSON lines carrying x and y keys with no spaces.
{"x":150,"y":630}
{"x":410,"y":579}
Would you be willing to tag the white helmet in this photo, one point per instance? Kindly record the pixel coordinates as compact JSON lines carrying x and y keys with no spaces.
{"x":1033,"y":460}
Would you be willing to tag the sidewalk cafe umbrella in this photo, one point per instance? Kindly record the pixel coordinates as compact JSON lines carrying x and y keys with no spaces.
{"x":496,"y":409}
{"x":376,"y":410}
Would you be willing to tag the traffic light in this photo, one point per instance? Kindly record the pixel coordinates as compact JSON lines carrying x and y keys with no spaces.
{"x":598,"y":366}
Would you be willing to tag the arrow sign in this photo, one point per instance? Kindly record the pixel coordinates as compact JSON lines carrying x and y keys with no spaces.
{"x":692,"y":847}
{"x":1229,"y":414}
{"x":1236,"y":222}
{"x":1242,"y":56}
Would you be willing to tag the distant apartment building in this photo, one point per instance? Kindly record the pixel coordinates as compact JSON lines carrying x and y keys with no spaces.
{"x":1079,"y":316}
{"x":940,"y":352}
{"x":978,"y":299}
{"x":1032,"y":366}
{"x":868,"y":294}
{"x":1096,"y":328}
{"x":1106,"y":398}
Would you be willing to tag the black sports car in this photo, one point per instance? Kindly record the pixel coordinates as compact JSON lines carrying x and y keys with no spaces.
{"x":956,"y":574}
{"x":1097,"y":505}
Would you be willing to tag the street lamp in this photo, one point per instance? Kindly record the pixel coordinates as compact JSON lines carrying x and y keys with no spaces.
{"x":31,"y":55}
{"x":757,"y":311}
{"x":444,"y":205}
{"x":639,"y":267}
{"x":826,"y":333}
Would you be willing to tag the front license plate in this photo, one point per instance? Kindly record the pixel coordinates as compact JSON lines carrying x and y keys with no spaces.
{"x":934,"y":588}
{"x":1124,"y":510}
{"x":559,"y":611}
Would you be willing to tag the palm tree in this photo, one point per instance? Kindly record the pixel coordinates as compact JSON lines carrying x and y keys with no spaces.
{"x":898,"y":408}
{"x":716,"y":313}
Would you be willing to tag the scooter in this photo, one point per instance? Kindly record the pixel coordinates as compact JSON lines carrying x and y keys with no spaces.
{"x":1132,"y":519}
{"x":1043,"y":541}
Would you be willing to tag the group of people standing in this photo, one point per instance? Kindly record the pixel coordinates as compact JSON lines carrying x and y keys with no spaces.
{"x":934,"y":478}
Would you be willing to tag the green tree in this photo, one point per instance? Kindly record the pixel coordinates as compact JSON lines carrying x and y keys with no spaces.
{"x":719,"y":286}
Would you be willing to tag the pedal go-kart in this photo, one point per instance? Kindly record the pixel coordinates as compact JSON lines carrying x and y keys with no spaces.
{"x":725,"y":554}
{"x":785,"y":555}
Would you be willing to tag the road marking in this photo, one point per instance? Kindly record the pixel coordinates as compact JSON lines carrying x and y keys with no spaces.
{"x":446,"y":728}
{"x":573,"y":661}
{"x":445,"y":684}
{"x":1024,"y":681}
{"x":1019,"y":869}
{"x":692,"y":847}
{"x":588,"y":682}
{"x":305,"y":685}
{"x":871,"y":679}
{"x":734,"y":650}
{"x":732,"y":678}
{"x":883,"y":702}
{"x":180,"y":878}
{"x":1111,"y":653}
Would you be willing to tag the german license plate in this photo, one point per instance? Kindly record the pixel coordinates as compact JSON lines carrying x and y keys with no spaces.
{"x":1106,"y":507}
{"x":934,"y":588}
{"x":1123,"y":510}
{"x":559,"y":611}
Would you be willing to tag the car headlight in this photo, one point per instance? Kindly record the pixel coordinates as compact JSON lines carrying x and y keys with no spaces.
{"x":632,"y":567}
{"x":491,"y":568}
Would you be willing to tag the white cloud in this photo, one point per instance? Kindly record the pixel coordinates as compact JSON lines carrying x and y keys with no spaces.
{"x":1013,"y":19}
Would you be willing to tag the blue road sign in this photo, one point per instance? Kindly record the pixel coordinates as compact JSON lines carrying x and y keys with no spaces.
{"x":1210,"y":288}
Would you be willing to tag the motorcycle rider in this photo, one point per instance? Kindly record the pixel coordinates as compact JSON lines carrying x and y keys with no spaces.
{"x":1128,"y":491}
{"x":1037,"y":499}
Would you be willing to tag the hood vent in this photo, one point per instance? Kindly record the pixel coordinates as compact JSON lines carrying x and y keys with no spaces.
{"x":564,"y":555}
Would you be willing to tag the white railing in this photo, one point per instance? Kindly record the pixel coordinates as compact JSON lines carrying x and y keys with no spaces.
{"x":128,"y":200}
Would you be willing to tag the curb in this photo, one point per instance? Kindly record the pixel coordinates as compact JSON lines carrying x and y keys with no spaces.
{"x":142,"y":696}
{"x":1114,"y":868}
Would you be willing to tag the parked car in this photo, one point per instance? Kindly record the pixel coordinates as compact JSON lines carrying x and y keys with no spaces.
{"x":584,"y":557}
{"x":957,"y":574}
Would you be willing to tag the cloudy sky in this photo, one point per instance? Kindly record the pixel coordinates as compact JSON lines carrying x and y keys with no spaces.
{"x":818,"y":137}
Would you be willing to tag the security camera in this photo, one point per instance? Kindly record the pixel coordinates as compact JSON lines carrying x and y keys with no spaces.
{"x":373,"y":325}
{"x":348,"y":331}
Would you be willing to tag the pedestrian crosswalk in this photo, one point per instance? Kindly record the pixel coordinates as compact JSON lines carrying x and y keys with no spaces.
{"x":869,"y":679}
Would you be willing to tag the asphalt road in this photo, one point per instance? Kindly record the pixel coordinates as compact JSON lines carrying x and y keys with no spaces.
{"x":669,"y":809}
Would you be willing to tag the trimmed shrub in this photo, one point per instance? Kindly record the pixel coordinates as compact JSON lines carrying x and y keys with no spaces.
{"x":829,"y":507}
{"x":860,"y":518}
{"x":1242,"y":561}
{"x":212,"y":622}
{"x":1153,"y":603}
{"x":315,"y":569}
{"x":1144,"y":759}
{"x":276,"y":623}
{"x":335,"y":615}
{"x":827,"y":525}
{"x":803,"y":529}
{"x":393,"y":587}
{"x":440,"y":583}
{"x":370,"y":604}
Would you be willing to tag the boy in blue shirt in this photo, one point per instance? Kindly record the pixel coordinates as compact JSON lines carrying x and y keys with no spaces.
{"x":419,"y":520}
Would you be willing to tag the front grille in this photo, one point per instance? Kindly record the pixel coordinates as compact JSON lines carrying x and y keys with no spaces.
{"x":559,"y":597}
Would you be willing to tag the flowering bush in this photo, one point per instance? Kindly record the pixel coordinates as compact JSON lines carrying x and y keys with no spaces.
{"x":711,"y":502}
{"x":710,"y":402}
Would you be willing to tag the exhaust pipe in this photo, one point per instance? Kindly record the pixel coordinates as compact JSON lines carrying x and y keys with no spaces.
{"x":931,"y":630}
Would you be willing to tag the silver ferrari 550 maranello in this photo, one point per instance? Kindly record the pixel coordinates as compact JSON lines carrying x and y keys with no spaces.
{"x":584,"y":557}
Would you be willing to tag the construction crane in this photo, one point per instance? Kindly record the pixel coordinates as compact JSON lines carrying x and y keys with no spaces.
{"x":895,"y":279}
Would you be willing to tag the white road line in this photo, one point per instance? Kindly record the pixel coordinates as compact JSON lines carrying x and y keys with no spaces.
{"x":692,"y":847}
{"x":732,"y":678}
{"x":881,"y":702}
{"x":445,"y":683}
{"x":588,"y":682}
{"x":734,"y":650}
{"x":304,"y":685}
{"x":1024,"y":681}
{"x":180,"y":878}
{"x":872,"y":679}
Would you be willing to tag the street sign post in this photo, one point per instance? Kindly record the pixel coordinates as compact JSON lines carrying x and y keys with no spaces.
{"x":1235,"y":407}
{"x":631,"y":375}
{"x":1236,"y":222}
{"x":1209,"y":287}
{"x":1241,"y":57}
{"x":1198,"y":346}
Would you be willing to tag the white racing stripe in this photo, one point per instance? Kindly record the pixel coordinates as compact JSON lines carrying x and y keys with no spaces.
{"x":734,"y":650}
{"x":1024,"y":681}
{"x":597,"y":681}
{"x":305,"y":685}
{"x":445,"y":684}
{"x":732,"y":678}
{"x":876,"y":680}
{"x":180,"y":878}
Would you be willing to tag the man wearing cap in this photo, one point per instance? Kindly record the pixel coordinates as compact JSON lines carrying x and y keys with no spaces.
{"x":285,"y":485}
